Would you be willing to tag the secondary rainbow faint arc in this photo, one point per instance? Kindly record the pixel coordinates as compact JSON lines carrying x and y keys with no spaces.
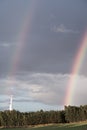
{"x":26,"y":26}
{"x":75,"y":70}
{"x":21,"y":38}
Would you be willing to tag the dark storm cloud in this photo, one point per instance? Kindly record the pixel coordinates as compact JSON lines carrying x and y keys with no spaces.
{"x":51,"y":51}
{"x":47,"y":49}
{"x":12,"y":14}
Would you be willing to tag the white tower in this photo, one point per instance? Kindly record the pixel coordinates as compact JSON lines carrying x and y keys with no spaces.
{"x":10,"y":105}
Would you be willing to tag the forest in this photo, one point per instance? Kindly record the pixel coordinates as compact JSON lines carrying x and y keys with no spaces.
{"x":19,"y":119}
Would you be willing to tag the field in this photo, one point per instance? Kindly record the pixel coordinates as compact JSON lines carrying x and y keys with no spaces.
{"x":73,"y":126}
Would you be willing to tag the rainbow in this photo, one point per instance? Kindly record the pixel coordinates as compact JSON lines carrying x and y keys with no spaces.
{"x":75,"y":70}
{"x":21,"y":39}
{"x":25,"y":27}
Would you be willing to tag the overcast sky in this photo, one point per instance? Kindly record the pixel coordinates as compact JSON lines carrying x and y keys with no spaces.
{"x":39,"y":40}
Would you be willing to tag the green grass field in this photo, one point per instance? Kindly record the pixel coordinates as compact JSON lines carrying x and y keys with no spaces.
{"x":72,"y":126}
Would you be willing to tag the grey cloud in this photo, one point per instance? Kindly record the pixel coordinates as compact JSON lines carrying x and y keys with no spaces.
{"x":62,"y":29}
{"x":24,"y":100}
{"x":6,"y":45}
{"x":49,"y":89}
{"x":45,"y":88}
{"x":80,"y":91}
{"x":3,"y":108}
{"x":4,"y":101}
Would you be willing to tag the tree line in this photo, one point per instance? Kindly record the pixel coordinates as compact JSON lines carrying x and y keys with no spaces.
{"x":69,"y":114}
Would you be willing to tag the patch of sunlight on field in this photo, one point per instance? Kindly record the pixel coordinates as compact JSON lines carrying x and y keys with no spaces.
{"x":70,"y":126}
